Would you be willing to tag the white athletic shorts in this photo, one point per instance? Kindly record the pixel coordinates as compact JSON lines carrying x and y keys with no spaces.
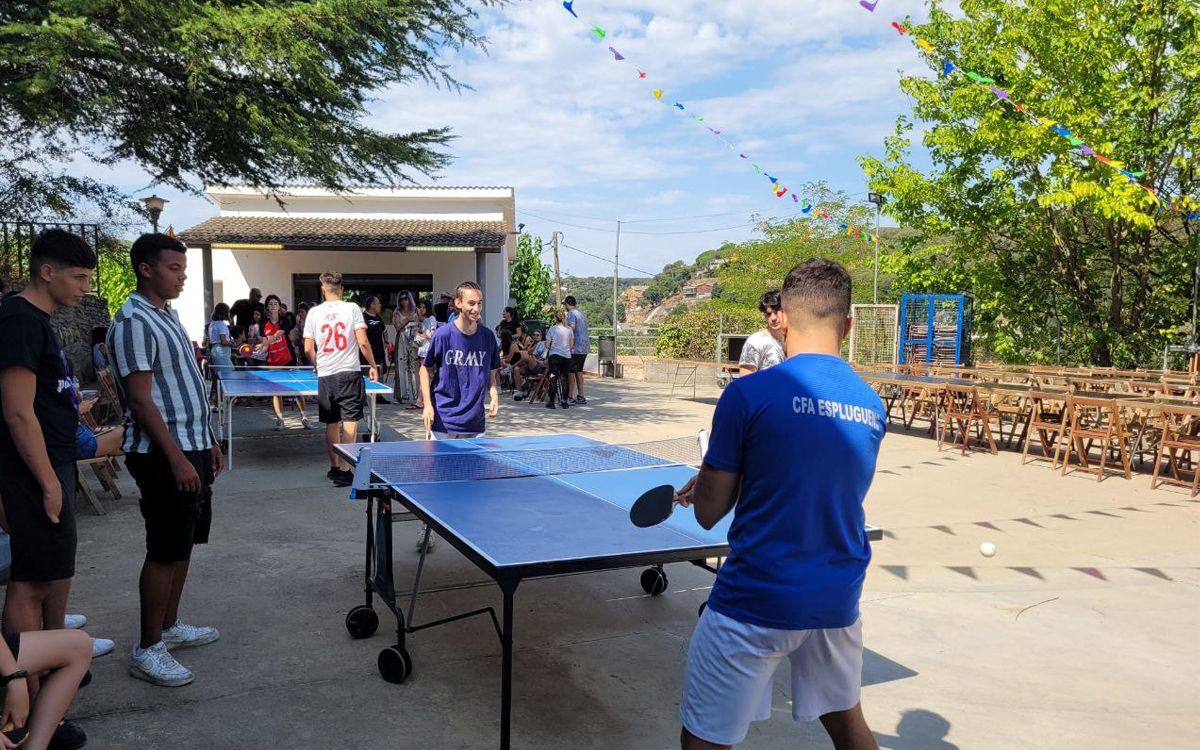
{"x":435,"y":435}
{"x":731,"y":668}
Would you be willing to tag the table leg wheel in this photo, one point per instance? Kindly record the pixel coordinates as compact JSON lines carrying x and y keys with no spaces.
{"x":654,"y":581}
{"x":362,"y":622}
{"x":395,"y":665}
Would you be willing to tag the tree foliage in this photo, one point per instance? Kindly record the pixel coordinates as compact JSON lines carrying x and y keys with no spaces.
{"x":668,"y":282}
{"x":117,"y":279}
{"x":214,"y":91}
{"x":529,"y":282}
{"x":1013,"y":214}
{"x":692,"y":332}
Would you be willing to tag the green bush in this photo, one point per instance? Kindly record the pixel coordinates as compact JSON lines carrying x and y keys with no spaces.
{"x":693,"y":333}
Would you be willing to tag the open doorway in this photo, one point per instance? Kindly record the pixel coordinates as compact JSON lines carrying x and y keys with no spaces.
{"x":306,"y":287}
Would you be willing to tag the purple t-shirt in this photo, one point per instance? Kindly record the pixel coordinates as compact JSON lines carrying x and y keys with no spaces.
{"x":462,"y":371}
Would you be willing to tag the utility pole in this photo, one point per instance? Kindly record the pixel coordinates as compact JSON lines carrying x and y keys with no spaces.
{"x":557,"y":281}
{"x":877,"y":199}
{"x":616,"y":256}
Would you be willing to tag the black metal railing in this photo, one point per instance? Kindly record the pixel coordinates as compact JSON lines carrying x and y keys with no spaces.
{"x":16,"y":239}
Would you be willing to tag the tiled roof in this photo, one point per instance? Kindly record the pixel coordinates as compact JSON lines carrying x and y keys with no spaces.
{"x":292,"y":231}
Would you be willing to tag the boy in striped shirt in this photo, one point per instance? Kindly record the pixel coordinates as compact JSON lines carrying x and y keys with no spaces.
{"x":169,"y":450}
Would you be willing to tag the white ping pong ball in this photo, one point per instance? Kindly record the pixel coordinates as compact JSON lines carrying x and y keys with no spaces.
{"x":987,"y":549}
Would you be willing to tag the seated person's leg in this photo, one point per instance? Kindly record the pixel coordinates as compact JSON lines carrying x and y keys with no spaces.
{"x":66,"y":654}
{"x":108,"y":441}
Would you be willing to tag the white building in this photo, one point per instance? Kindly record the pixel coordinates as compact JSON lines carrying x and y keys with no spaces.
{"x":424,"y":239}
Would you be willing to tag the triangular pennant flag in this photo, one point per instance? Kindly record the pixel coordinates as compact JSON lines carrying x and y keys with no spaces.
{"x":1000,"y":93}
{"x":616,"y":55}
{"x":769,"y":177}
{"x":948,"y":67}
{"x":781,"y":192}
{"x":1153,"y":195}
{"x":806,"y":208}
{"x":842,"y":226}
{"x":743,"y":156}
{"x":677,"y":104}
{"x":1193,"y":216}
{"x":599,"y":32}
{"x":868,"y":6}
{"x":1087,"y":150}
{"x":899,"y":29}
{"x":924,"y":45}
{"x":1018,"y":107}
{"x":715,"y":132}
{"x":756,"y":169}
{"x":641,"y":74}
{"x":825,"y":215}
{"x":978,"y":78}
{"x":1075,"y":141}
{"x":567,"y":4}
{"x":795,"y":199}
{"x":658,"y":94}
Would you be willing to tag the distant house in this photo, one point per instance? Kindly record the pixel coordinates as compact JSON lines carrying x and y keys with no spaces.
{"x":699,"y":290}
{"x":633,"y":295}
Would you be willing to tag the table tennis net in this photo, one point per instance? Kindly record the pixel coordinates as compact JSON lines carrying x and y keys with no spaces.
{"x":474,"y":465}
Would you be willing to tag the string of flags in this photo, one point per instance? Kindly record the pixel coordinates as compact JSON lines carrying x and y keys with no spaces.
{"x":807,"y":209}
{"x":950,"y":67}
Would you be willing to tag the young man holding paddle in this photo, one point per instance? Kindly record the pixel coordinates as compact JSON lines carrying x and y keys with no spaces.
{"x":792,"y":453}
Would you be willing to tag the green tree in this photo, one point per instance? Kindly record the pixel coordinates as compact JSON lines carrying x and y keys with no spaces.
{"x":529,"y":281}
{"x":214,"y":91}
{"x":668,"y":282}
{"x":1016,"y":215}
{"x":117,"y":279}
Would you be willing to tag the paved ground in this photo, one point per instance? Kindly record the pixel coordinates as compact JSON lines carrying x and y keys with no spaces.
{"x":1079,"y":633}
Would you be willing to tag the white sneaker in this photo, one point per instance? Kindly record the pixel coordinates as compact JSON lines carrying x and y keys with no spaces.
{"x":421,"y":539}
{"x":180,"y":635}
{"x":102,"y":647}
{"x":305,"y":423}
{"x":74,"y":622}
{"x":156,"y":666}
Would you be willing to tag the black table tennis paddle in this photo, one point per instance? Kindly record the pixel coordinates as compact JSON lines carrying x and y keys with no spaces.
{"x":15,"y":735}
{"x":653,"y":507}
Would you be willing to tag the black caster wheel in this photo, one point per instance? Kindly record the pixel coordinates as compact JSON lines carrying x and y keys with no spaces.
{"x":395,"y":665}
{"x":703,"y":606}
{"x":654,"y":581}
{"x":362,"y":622}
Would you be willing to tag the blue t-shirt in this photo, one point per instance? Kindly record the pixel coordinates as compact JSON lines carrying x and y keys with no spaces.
{"x":462,"y":367}
{"x":577,"y":321}
{"x":804,"y":436}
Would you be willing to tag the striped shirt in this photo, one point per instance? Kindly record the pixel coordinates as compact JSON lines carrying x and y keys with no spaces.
{"x":144,"y":338}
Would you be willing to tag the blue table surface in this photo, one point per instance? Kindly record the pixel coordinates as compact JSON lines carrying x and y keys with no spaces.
{"x":529,"y":520}
{"x":277,"y":382}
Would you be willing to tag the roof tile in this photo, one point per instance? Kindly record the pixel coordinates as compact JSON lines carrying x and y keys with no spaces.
{"x":334,"y":232}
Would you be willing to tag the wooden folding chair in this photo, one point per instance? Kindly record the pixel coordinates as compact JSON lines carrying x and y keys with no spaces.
{"x":1010,"y":406}
{"x":1096,"y":421}
{"x":1049,"y":419}
{"x":1180,"y":435}
{"x":963,"y":409}
{"x":106,"y":469}
{"x":540,"y":385}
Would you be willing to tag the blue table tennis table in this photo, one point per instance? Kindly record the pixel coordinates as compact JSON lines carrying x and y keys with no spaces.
{"x":285,"y":382}
{"x":520,"y":522}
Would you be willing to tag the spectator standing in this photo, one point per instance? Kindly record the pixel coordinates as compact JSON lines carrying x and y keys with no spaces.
{"x":560,"y":342}
{"x":242,"y":311}
{"x":220,"y":342}
{"x":376,"y":337}
{"x":764,"y":348}
{"x":169,"y":450}
{"x":254,"y":330}
{"x":279,"y":355}
{"x":578,"y":323}
{"x":39,"y":418}
{"x":419,"y":347}
{"x":405,"y":322}
{"x":296,"y":335}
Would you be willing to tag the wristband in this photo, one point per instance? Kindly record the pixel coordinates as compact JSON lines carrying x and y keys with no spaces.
{"x":20,"y":674}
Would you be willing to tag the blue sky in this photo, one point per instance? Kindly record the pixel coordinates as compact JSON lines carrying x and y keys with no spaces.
{"x":801,"y":86}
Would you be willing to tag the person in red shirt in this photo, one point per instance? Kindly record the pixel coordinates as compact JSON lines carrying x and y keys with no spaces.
{"x":279,"y":354}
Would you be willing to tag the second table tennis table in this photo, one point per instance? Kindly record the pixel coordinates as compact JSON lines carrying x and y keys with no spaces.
{"x":518,"y":527}
{"x":284,"y":382}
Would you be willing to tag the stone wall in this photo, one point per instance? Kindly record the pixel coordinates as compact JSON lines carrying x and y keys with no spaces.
{"x":74,"y":328}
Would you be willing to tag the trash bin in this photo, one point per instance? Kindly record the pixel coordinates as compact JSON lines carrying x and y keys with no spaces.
{"x":608,"y":357}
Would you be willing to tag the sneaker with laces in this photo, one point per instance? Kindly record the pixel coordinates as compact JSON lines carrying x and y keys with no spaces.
{"x":333,"y":474}
{"x":579,"y":400}
{"x":67,"y":736}
{"x":344,"y":478}
{"x":305,"y":423}
{"x":421,"y":539}
{"x":102,"y":647}
{"x":180,"y":635}
{"x":156,"y":666}
{"x":278,"y":423}
{"x":74,"y":622}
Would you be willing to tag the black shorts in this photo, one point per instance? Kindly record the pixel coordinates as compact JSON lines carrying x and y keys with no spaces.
{"x":175,"y":521}
{"x":577,"y":361}
{"x":41,"y":550}
{"x":341,"y":397}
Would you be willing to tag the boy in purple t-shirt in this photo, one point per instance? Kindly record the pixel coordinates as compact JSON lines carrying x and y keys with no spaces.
{"x":462,"y":362}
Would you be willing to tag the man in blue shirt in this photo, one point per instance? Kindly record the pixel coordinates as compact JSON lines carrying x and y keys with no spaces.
{"x":578,"y":323}
{"x":462,"y":363}
{"x":792,"y":453}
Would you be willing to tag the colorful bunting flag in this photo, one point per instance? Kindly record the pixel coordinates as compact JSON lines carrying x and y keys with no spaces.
{"x":658,"y":94}
{"x":948,"y":67}
{"x":868,"y":6}
{"x":599,"y":32}
{"x":900,"y":29}
{"x":1000,"y":93}
{"x":781,"y":192}
{"x":568,"y":5}
{"x":641,"y":74}
{"x":978,"y":78}
{"x":924,"y":45}
{"x":1193,"y":216}
{"x":677,"y":104}
{"x":616,"y":55}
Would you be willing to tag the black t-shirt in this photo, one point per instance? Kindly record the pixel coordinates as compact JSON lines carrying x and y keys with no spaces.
{"x":27,"y":340}
{"x":242,"y":312}
{"x":375,"y":329}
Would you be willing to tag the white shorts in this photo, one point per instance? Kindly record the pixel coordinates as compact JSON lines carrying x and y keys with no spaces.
{"x":731,"y":668}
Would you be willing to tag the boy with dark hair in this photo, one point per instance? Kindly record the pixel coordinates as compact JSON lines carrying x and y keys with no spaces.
{"x":39,"y":416}
{"x":169,"y":449}
{"x":764,"y":348}
{"x":578,"y":323}
{"x":462,"y":362}
{"x":795,"y":448}
{"x":341,"y":395}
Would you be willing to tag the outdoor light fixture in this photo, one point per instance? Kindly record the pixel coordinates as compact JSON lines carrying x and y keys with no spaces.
{"x":876,"y":198}
{"x":154,"y":207}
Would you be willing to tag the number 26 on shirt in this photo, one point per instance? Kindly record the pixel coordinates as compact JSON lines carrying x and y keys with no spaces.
{"x":334,"y":337}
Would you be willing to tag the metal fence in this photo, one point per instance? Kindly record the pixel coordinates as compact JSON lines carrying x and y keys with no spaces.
{"x":639,"y":341}
{"x":16,"y":240}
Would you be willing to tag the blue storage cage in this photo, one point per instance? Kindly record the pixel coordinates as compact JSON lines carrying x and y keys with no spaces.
{"x":935,"y":329}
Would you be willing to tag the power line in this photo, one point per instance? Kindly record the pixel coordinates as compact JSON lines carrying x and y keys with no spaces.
{"x":656,"y":234}
{"x":607,"y":260}
{"x":644,"y":221}
{"x":697,"y":231}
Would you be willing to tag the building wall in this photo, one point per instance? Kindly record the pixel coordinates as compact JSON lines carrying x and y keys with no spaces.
{"x":235,"y":272}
